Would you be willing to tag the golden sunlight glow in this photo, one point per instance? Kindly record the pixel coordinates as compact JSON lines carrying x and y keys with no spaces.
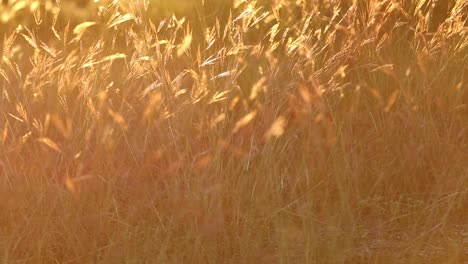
{"x":233,"y":131}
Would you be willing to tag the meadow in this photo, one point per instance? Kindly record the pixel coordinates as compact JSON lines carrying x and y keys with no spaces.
{"x":240,"y":131}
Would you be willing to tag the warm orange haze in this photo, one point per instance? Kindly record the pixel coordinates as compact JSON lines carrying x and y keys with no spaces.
{"x":234,"y":131}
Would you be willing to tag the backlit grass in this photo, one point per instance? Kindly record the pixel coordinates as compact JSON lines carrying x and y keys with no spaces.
{"x":234,"y":131}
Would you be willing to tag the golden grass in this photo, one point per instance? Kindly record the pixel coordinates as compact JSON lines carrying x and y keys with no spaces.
{"x":234,"y":132}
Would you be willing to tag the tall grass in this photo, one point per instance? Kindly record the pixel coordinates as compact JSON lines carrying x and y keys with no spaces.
{"x":234,"y":132}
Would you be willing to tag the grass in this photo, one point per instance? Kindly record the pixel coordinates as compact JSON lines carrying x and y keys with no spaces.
{"x":273,"y":132}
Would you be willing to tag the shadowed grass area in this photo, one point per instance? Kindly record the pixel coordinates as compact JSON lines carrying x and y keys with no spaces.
{"x":234,"y":132}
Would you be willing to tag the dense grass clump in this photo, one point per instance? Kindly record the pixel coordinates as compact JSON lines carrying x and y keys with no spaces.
{"x":237,"y":131}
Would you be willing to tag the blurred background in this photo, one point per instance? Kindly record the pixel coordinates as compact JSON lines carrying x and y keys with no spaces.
{"x":79,"y":9}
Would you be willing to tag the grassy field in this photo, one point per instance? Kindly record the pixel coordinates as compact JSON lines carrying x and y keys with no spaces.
{"x":269,"y":131}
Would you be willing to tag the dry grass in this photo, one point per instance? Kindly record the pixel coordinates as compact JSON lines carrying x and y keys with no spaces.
{"x":275,"y":132}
